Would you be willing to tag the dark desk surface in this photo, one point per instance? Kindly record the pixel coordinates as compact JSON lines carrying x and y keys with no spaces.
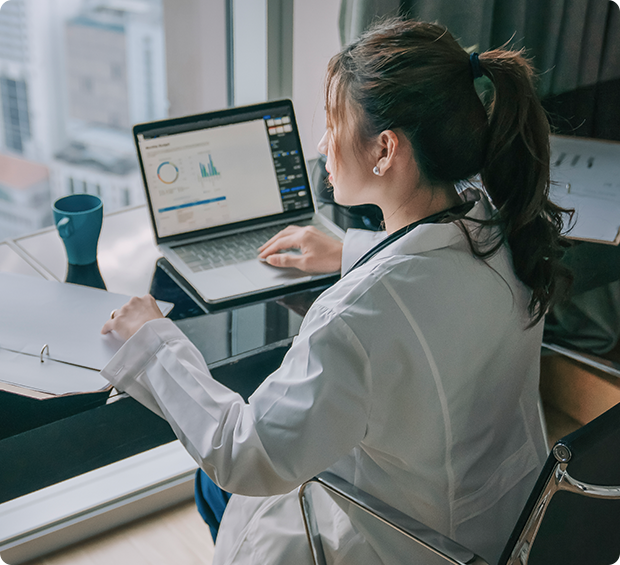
{"x":242,"y":344}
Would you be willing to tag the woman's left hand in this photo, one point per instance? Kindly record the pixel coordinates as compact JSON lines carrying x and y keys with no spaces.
{"x":127,"y":320}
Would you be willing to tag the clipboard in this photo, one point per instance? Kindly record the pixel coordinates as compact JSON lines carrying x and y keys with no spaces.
{"x":50,"y":336}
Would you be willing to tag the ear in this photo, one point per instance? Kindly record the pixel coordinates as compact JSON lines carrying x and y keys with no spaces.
{"x":388,"y":147}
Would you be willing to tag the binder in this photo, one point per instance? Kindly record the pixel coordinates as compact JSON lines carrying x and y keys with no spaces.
{"x":50,"y":340}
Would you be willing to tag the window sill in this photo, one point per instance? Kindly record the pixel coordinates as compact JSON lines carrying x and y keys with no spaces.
{"x":67,"y":512}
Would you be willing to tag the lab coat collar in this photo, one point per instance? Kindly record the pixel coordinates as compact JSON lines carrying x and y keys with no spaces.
{"x":428,"y":237}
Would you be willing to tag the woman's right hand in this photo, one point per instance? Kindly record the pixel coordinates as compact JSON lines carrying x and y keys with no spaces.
{"x":127,"y":320}
{"x":318,"y":253}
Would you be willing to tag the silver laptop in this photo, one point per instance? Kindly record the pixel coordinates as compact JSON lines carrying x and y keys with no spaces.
{"x":221,"y":184}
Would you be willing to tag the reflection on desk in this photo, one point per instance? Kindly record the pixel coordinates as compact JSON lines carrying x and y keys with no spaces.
{"x":11,"y":261}
{"x":126,"y":251}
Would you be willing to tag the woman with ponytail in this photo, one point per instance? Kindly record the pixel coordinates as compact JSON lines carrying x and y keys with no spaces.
{"x":416,"y":375}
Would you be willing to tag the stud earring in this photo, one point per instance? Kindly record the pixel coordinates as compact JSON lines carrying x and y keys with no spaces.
{"x":376,"y":170}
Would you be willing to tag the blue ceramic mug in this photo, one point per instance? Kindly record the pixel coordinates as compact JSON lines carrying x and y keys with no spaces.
{"x":78,"y":218}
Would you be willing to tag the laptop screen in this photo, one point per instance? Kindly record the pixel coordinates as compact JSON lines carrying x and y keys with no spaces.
{"x":223,"y":168}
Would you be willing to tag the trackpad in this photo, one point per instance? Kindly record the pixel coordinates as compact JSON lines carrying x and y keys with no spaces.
{"x":262,"y":274}
{"x":223,"y":282}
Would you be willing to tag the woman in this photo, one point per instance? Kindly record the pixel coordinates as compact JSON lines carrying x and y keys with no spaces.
{"x":415,"y":376}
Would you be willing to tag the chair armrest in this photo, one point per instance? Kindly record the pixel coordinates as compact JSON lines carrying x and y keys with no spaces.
{"x":432,"y":540}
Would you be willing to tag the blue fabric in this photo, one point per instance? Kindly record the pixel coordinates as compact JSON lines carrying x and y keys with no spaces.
{"x":211,"y":501}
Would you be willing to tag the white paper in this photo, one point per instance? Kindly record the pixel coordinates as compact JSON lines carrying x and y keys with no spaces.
{"x":595,"y":219}
{"x":66,"y":317}
{"x":585,"y":176}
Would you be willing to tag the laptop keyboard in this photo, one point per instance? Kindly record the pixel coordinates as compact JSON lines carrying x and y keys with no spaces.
{"x":232,"y":249}
{"x":227,"y":250}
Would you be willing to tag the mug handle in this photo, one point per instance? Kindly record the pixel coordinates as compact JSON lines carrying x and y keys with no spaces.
{"x":65,"y":228}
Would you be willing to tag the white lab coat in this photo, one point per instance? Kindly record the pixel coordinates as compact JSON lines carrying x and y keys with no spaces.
{"x":415,"y":377}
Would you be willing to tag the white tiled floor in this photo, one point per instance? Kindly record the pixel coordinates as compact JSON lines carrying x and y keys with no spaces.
{"x":175,"y":536}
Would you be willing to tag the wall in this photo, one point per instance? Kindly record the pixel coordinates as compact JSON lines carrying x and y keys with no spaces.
{"x":197,"y":76}
{"x":315,"y":41}
{"x":195,"y":33}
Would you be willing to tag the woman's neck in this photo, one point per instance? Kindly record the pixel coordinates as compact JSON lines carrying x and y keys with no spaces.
{"x":423,"y":204}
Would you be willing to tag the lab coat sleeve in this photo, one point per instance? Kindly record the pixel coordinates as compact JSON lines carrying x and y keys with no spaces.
{"x":305,"y":416}
{"x":356,"y":243}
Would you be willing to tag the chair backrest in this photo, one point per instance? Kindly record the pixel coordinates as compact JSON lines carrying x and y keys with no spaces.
{"x":573,"y":514}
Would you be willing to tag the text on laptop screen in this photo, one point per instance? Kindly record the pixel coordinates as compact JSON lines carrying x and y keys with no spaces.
{"x":224,"y":174}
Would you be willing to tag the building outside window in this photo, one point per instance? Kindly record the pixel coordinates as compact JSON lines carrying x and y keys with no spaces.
{"x":15,"y":113}
{"x":115,"y":70}
{"x":75,"y":75}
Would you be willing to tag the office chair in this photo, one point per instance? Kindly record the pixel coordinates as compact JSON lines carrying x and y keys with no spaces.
{"x":572,"y":516}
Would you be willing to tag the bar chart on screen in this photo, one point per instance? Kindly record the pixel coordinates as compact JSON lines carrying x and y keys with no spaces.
{"x":206,"y":167}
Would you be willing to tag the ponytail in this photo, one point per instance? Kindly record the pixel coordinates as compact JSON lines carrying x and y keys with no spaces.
{"x":516,"y":177}
{"x":414,"y":76}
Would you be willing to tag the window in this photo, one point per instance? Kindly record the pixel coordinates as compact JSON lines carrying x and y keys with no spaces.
{"x":15,"y":113}
{"x":5,"y":195}
{"x":149,"y":93}
{"x":116,"y":71}
{"x":13,"y":36}
{"x":87,"y":84}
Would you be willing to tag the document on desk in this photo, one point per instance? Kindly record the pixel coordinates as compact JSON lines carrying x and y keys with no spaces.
{"x":585,"y":176}
{"x":50,"y":334}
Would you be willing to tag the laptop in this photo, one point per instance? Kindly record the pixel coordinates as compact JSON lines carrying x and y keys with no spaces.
{"x":219,"y":185}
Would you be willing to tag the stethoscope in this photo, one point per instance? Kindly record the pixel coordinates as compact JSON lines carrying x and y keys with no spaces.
{"x":451,"y":214}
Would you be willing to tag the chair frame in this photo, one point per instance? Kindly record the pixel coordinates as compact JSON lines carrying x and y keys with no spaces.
{"x":558,"y":480}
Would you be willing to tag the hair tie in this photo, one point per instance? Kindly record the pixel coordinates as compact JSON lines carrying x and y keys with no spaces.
{"x":474,"y":61}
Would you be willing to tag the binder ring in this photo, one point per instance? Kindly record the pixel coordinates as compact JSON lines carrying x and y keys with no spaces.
{"x":45,"y":347}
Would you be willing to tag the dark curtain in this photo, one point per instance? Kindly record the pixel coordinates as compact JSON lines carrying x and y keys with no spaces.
{"x":574,"y":44}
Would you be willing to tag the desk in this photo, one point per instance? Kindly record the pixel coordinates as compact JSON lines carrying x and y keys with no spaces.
{"x":11,"y":261}
{"x":127,"y":255}
{"x":126,"y":252}
{"x":78,"y":437}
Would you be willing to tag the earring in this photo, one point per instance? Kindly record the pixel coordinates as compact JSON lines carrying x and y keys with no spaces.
{"x":376,"y":170}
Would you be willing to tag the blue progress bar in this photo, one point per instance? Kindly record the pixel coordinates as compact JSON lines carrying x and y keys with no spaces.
{"x":285,"y":190}
{"x":170,"y":208}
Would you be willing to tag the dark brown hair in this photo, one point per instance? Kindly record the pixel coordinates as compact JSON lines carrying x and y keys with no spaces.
{"x":414,"y":76}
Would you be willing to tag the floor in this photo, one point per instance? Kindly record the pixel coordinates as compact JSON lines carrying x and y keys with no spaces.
{"x":177,"y":535}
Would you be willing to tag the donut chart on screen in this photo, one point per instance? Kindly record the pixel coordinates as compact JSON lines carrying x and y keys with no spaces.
{"x":167,"y":172}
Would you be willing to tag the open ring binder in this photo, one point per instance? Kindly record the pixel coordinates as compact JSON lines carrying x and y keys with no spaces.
{"x":67,"y":319}
{"x":43,"y":349}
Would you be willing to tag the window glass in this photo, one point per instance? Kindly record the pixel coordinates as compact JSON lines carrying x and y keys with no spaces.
{"x":15,"y":113}
{"x":75,"y":75}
